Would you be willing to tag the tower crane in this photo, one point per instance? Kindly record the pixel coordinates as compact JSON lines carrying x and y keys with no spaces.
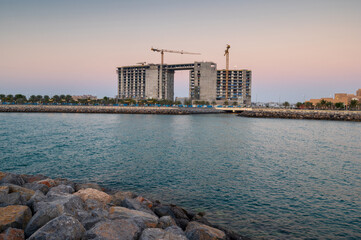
{"x":162,"y":51}
{"x":226,"y":53}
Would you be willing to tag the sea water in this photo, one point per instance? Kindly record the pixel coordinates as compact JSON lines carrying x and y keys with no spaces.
{"x":264,"y":178}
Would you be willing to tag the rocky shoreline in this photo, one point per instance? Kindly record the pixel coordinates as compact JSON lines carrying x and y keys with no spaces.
{"x":37,"y":207}
{"x":354,"y":116}
{"x":107,"y":109}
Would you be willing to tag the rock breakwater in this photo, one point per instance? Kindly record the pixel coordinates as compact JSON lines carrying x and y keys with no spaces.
{"x":303,"y":114}
{"x":107,"y":109}
{"x":37,"y":207}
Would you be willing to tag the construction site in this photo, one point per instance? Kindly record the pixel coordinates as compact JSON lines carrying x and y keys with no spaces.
{"x":206,"y":82}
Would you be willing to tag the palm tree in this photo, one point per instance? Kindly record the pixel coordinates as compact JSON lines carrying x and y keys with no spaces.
{"x":226,"y":103}
{"x":9,"y":98}
{"x":323,"y":103}
{"x":32,"y":99}
{"x":56,"y":98}
{"x":308,"y":104}
{"x":329,"y":105}
{"x":105,"y":100}
{"x":20,"y":99}
{"x":353,"y":104}
{"x":39,"y":98}
{"x":68,"y":98}
{"x":340,"y":105}
{"x":286,"y":104}
{"x":46,"y":98}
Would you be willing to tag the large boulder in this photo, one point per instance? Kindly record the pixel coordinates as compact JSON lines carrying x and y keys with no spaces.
{"x":136,"y":205}
{"x":12,"y":234}
{"x":16,"y":216}
{"x":65,"y":202}
{"x":182,"y":223}
{"x":12,"y":179}
{"x":143,"y":219}
{"x":164,"y":210}
{"x":152,"y":234}
{"x":118,"y":229}
{"x":196,"y":231}
{"x":48,"y":182}
{"x":231,"y":235}
{"x":60,"y":189}
{"x":144,"y":201}
{"x":41,"y":218}
{"x":180,"y":215}
{"x":60,"y":228}
{"x":175,"y":230}
{"x":37,"y":197}
{"x":90,"y":218}
{"x":11,"y":199}
{"x":91,"y":204}
{"x":24,"y":192}
{"x":166,"y":221}
{"x":79,"y":186}
{"x":91,"y":193}
{"x":2,"y":175}
{"x":36,"y":186}
{"x":172,"y":233}
{"x":4,"y":190}
{"x":179,"y":212}
{"x":118,"y":197}
{"x":66,"y":182}
{"x":52,"y":207}
{"x":33,"y":178}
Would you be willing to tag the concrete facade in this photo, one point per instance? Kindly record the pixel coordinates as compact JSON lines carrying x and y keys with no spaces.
{"x":131,"y":82}
{"x":206,"y":83}
{"x":202,"y":81}
{"x":239,"y":86}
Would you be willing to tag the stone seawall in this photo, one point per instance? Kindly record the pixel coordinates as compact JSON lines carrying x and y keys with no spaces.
{"x":303,"y":114}
{"x":106,"y":109}
{"x":37,"y":207}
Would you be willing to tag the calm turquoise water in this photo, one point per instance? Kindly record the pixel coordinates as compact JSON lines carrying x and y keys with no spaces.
{"x":282,"y":179}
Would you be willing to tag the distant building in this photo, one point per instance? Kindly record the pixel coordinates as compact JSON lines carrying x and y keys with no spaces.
{"x":339,"y":98}
{"x":91,"y":97}
{"x":358,"y":93}
{"x":239,"y":85}
{"x":206,"y":83}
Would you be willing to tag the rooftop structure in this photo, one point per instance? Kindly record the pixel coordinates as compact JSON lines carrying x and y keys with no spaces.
{"x":206,"y":83}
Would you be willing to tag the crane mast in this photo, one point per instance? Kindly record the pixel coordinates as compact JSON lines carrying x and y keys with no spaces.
{"x":226,"y":53}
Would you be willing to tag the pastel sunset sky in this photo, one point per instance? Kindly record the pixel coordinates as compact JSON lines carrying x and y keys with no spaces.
{"x":296,"y":49}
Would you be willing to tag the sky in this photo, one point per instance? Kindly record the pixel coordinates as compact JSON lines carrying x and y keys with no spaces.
{"x":296,"y":50}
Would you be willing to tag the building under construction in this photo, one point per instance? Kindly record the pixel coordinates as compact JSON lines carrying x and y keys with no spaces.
{"x":206,"y":83}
